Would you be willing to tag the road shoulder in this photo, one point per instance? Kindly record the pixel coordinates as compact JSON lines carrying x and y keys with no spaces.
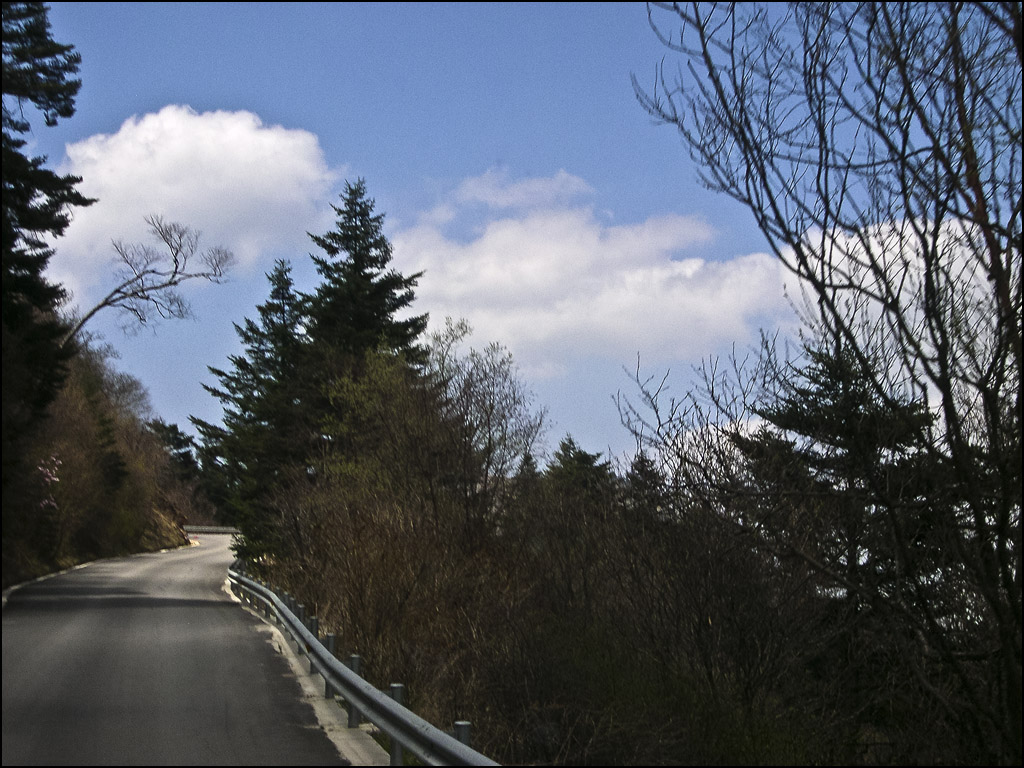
{"x":353,"y":744}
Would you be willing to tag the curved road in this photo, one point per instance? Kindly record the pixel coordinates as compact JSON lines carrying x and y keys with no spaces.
{"x":146,"y":660}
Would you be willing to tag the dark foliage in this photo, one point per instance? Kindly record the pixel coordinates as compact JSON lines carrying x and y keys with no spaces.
{"x":37,"y":73}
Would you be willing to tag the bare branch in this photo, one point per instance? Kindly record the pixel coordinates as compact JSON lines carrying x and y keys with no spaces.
{"x":878,"y":146}
{"x":148,"y":278}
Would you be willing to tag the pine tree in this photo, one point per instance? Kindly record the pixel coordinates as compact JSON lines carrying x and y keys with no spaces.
{"x":832,"y":438}
{"x":576,"y":473}
{"x":37,"y":72}
{"x":180,"y":447}
{"x":265,"y":433}
{"x":355,"y":310}
{"x":582,"y":492}
{"x":838,"y":477}
{"x":645,"y":496}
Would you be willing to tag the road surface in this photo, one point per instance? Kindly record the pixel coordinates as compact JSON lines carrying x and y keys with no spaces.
{"x":147,"y":660}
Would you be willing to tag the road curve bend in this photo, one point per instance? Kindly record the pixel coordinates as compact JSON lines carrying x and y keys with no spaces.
{"x":147,"y":660}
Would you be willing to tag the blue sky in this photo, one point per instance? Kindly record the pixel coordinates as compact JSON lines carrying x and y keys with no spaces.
{"x":503,"y":142}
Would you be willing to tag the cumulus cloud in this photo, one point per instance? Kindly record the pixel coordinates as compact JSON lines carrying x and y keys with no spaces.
{"x":547,"y":278}
{"x":251,"y":187}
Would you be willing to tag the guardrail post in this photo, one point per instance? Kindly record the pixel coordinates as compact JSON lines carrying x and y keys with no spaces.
{"x":355,"y":663}
{"x":300,"y":612}
{"x":462,"y":729}
{"x":329,"y":643}
{"x":314,"y":629}
{"x":398,"y":694}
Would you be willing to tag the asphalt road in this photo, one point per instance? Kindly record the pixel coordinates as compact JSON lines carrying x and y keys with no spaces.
{"x":146,"y":660}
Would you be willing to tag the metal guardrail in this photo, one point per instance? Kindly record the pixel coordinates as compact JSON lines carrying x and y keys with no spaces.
{"x":210,"y":529}
{"x":407,"y":730}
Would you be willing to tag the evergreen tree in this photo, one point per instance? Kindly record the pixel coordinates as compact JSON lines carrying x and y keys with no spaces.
{"x":355,"y":310}
{"x":180,"y":448}
{"x":646,"y":496}
{"x":832,"y":438}
{"x":575,"y":473}
{"x":265,"y":434}
{"x":582,"y":492}
{"x":37,"y":72}
{"x":839,"y":477}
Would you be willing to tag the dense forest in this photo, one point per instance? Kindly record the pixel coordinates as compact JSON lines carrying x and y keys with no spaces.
{"x":790,"y":589}
{"x":813,"y":557}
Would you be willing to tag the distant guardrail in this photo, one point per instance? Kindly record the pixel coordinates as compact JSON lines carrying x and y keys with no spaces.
{"x":210,"y":529}
{"x":406,"y":730}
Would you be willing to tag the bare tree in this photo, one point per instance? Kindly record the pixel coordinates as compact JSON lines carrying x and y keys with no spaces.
{"x":488,"y":413}
{"x":149,"y":277}
{"x":878,"y":146}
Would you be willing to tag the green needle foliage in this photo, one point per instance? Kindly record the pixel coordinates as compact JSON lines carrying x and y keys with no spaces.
{"x":265,"y":432}
{"x":358,"y":306}
{"x":38,"y":73}
{"x":281,"y":406}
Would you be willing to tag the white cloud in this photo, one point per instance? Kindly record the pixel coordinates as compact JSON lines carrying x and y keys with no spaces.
{"x":557,"y":285}
{"x":494,"y":190}
{"x":251,"y":187}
